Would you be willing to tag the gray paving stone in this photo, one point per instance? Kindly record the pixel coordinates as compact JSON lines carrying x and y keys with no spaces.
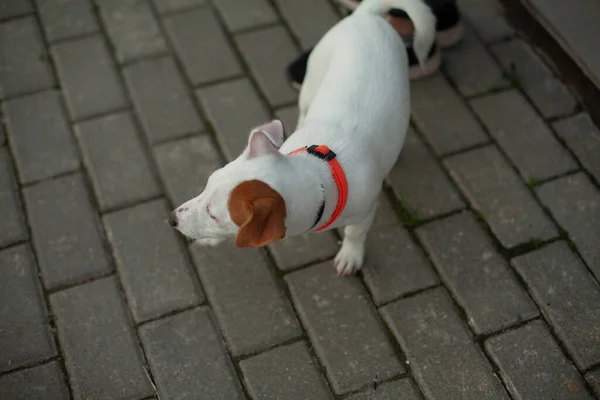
{"x":66,"y":231}
{"x":472,"y":68}
{"x":185,"y":166}
{"x":442,"y":116}
{"x":202,"y":46}
{"x":480,"y":279}
{"x":593,"y":379}
{"x":13,"y":8}
{"x":154,"y":270}
{"x":421,"y":183}
{"x":548,"y":93}
{"x":444,"y":359}
{"x":583,"y":137}
{"x":287,"y":372}
{"x":268,"y":63}
{"x":486,"y":16}
{"x":132,"y":28}
{"x":308,"y":19}
{"x":533,"y":366}
{"x":23,"y":59}
{"x":568,"y":296}
{"x":343,"y":327}
{"x":2,"y":136}
{"x":288,"y":117}
{"x":25,"y":335}
{"x":250,"y":308}
{"x":40,"y":136}
{"x":386,"y":215}
{"x":88,"y":78}
{"x":523,"y":135}
{"x":115,"y":159}
{"x":403,"y":389}
{"x":161,"y":99}
{"x":166,"y":6}
{"x":44,"y":382}
{"x":496,"y":191}
{"x":13,"y":222}
{"x":394,"y":265}
{"x":297,"y":251}
{"x":188,"y":359}
{"x":233,"y":108}
{"x":67,"y":18}
{"x":247,"y":14}
{"x":101,"y":353}
{"x":575,"y":204}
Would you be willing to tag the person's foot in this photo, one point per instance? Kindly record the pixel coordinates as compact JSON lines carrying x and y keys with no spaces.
{"x":449,"y":32}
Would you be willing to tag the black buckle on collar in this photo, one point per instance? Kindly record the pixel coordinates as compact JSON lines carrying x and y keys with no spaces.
{"x":327,"y":157}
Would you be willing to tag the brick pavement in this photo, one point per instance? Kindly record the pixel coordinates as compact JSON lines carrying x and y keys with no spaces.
{"x":481,"y":280}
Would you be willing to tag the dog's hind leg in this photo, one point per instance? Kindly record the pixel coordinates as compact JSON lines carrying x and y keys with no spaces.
{"x":351,"y":255}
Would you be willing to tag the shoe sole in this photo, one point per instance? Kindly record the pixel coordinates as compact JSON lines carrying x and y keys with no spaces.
{"x":444,"y":39}
{"x":431,"y":66}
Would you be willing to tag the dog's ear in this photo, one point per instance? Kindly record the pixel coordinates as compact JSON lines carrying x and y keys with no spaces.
{"x":266,"y":139}
{"x":260,"y":213}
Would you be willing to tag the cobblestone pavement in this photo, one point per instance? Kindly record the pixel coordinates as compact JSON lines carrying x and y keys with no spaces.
{"x":481,"y":282}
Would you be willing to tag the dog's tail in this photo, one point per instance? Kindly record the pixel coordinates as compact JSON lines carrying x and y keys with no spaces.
{"x":420,"y":14}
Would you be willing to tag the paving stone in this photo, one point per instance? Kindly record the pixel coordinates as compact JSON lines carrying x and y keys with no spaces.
{"x":523,"y":135}
{"x":67,"y":18}
{"x":575,"y":204}
{"x":444,"y":359}
{"x":343,"y":327}
{"x":286,"y":372}
{"x":487,"y":17}
{"x":403,"y":389}
{"x":308,"y":19}
{"x":533,"y":366}
{"x":2,"y":136}
{"x":13,"y":222}
{"x":442,"y":116}
{"x":119,"y":169}
{"x":568,"y":296}
{"x":296,"y":251}
{"x":251,"y":310}
{"x":166,"y":6}
{"x":185,"y":166}
{"x":13,"y":8}
{"x":40,"y":136}
{"x":101,"y":353}
{"x":202,"y":46}
{"x":188,"y":359}
{"x":288,"y":117}
{"x":24,"y":64}
{"x":548,"y":93}
{"x":472,"y":68}
{"x":44,"y":382}
{"x":25,"y":335}
{"x":236,"y":98}
{"x":583,"y":137}
{"x":496,"y":191}
{"x":132,"y":28}
{"x":385,"y":215}
{"x":161,"y":99}
{"x":154,"y":270}
{"x":394,"y":265}
{"x":480,"y":279}
{"x":250,"y":13}
{"x":267,"y":63}
{"x":421,"y":183}
{"x":593,"y":379}
{"x":89,"y":80}
{"x":66,"y":231}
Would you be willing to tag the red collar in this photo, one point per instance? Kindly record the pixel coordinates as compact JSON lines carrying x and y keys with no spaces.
{"x":324,"y":153}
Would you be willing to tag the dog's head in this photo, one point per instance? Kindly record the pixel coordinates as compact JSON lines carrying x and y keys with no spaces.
{"x":240,"y":199}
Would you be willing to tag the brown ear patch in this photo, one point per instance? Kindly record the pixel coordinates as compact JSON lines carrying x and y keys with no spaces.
{"x":260,"y":213}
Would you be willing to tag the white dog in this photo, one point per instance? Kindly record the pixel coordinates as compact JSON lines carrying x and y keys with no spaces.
{"x":354,"y":113}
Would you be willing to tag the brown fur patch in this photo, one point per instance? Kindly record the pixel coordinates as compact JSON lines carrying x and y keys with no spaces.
{"x":260,"y":213}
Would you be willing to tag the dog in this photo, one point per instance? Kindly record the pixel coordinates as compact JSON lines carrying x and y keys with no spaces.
{"x":354,"y":112}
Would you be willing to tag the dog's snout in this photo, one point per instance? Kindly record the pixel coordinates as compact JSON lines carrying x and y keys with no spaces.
{"x":173,"y":220}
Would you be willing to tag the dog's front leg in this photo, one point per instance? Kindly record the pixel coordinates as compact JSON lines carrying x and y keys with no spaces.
{"x":352,"y":253}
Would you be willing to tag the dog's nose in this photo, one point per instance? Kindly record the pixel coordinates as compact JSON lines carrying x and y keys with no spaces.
{"x":173,"y":220}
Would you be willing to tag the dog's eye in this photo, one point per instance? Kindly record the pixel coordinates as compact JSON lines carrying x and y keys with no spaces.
{"x":210,"y":215}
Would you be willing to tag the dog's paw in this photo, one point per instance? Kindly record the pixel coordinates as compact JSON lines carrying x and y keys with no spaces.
{"x":349,"y":259}
{"x":208,"y":242}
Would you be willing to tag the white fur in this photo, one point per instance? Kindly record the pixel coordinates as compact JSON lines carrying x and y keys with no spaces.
{"x":355,"y":99}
